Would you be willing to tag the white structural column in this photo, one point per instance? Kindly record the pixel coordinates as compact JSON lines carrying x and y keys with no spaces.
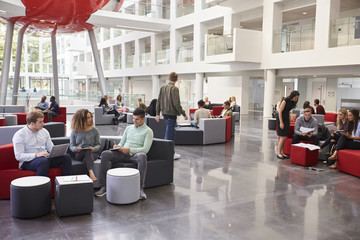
{"x":155,"y":47}
{"x":6,"y":62}
{"x":269,"y":90}
{"x":155,"y":86}
{"x":199,"y":36}
{"x":230,"y":22}
{"x":245,"y":89}
{"x":17,"y":65}
{"x":173,"y":8}
{"x":331,"y":95}
{"x":199,"y":88}
{"x":125,"y":87}
{"x":97,"y":62}
{"x":175,"y":43}
{"x":55,"y":67}
{"x":322,"y":23}
{"x":157,"y":8}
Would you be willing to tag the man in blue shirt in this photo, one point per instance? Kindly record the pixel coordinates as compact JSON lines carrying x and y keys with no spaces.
{"x":53,"y":110}
{"x":42,"y":105}
{"x":32,"y":147}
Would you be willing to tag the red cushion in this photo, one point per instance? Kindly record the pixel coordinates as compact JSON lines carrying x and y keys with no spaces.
{"x":192,"y":110}
{"x":21,"y":118}
{"x":217,"y":110}
{"x":2,"y":121}
{"x":303,"y":156}
{"x":6,"y":176}
{"x":228,"y":128}
{"x":59,"y":118}
{"x":8,"y":160}
{"x":349,"y":161}
{"x":291,"y":130}
{"x":330,"y":117}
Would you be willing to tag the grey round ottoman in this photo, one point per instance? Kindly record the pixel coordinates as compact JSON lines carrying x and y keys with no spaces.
{"x":10,"y":120}
{"x":30,"y":197}
{"x":122,"y":185}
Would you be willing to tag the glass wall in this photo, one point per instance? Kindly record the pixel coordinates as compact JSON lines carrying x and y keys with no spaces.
{"x":219,"y":44}
{"x":345,"y":32}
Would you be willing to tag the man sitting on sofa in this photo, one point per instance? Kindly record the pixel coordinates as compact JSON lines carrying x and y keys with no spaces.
{"x":226,"y":111}
{"x":306,"y":128}
{"x":53,"y":110}
{"x":200,"y":113}
{"x":32,"y":147}
{"x":42,"y":105}
{"x":133,"y":147}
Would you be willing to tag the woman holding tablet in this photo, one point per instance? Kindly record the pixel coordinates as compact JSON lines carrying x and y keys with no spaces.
{"x":85,"y":140}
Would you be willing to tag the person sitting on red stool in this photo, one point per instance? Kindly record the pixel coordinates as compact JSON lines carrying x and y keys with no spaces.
{"x":306,"y":121}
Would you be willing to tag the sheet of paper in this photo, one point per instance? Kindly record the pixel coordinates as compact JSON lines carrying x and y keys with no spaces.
{"x":76,"y":178}
{"x":306,"y":130}
{"x":311,"y":147}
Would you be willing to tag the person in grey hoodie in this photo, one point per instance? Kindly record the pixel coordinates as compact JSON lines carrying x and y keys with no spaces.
{"x":306,"y":121}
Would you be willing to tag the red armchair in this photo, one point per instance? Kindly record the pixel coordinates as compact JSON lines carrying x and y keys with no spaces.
{"x":9,"y":170}
{"x":228,"y":128}
{"x":217,"y":110}
{"x":330,"y":117}
{"x":349,"y":161}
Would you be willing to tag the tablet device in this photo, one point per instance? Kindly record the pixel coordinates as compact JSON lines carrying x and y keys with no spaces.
{"x":59,"y":150}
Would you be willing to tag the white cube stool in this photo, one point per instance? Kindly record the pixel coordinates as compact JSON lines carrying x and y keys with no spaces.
{"x":122,"y":185}
{"x":30,"y":197}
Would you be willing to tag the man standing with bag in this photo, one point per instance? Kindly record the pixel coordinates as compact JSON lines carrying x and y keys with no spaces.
{"x":169,"y":104}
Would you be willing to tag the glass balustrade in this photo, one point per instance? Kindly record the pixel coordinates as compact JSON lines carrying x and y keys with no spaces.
{"x":183,"y":9}
{"x":294,"y":38}
{"x":219,"y":44}
{"x":130,"y":61}
{"x":163,"y":57}
{"x":140,"y":8}
{"x":145,"y":59}
{"x":345,"y":32}
{"x":184,"y":54}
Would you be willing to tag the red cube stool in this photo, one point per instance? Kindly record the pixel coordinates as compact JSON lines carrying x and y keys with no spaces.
{"x":304,"y":156}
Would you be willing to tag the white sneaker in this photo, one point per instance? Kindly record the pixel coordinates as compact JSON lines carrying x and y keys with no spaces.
{"x":176,"y":156}
{"x":101,"y":192}
{"x":142,"y":195}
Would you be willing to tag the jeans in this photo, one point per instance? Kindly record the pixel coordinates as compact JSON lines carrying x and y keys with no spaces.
{"x":347,"y":143}
{"x":42,"y":164}
{"x":194,"y":125}
{"x":170,"y":129}
{"x":108,"y":158}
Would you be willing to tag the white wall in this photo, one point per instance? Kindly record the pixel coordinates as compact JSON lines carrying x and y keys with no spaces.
{"x":219,"y":89}
{"x":143,"y":87}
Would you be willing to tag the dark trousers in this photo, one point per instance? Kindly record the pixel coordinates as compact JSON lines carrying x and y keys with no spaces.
{"x":313,"y":138}
{"x":87,"y":157}
{"x":108,"y":158}
{"x":336,"y":137}
{"x":42,"y":164}
{"x":347,"y":143}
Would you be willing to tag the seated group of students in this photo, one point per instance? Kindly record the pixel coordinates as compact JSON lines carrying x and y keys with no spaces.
{"x":347,"y":135}
{"x":51,"y":111}
{"x":33,"y":145}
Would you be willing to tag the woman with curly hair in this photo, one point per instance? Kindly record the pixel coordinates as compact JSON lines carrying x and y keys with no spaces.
{"x":85,"y":140}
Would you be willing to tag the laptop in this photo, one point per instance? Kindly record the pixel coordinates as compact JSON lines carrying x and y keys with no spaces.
{"x":59,"y":150}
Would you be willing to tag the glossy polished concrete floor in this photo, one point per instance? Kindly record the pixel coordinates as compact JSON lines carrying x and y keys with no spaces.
{"x":237,"y":190}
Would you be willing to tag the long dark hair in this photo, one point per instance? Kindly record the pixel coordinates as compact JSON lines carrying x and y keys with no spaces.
{"x":291,"y":96}
{"x":353,"y":125}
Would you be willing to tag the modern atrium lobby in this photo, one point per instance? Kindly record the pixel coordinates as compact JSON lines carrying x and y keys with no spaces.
{"x":235,"y":190}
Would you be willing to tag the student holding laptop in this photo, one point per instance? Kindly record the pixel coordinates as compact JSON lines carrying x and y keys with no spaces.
{"x":32,"y":147}
{"x":85,"y":140}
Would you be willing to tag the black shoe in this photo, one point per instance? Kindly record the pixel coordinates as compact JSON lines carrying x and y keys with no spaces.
{"x":280,"y":157}
{"x":286,"y":156}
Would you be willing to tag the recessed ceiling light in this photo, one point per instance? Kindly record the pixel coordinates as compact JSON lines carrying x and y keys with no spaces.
{"x":304,"y":13}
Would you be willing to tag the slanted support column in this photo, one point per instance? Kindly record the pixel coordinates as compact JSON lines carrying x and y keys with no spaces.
{"x":269,"y":91}
{"x":97,"y":62}
{"x":55,"y":67}
{"x":6,"y":62}
{"x":17,"y":65}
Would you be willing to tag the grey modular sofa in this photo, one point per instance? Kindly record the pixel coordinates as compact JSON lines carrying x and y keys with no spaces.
{"x":101,"y":118}
{"x":12,"y":109}
{"x":56,"y":129}
{"x":160,"y":169}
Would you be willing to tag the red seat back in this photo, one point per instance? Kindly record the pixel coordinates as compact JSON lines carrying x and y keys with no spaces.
{"x":8,"y":160}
